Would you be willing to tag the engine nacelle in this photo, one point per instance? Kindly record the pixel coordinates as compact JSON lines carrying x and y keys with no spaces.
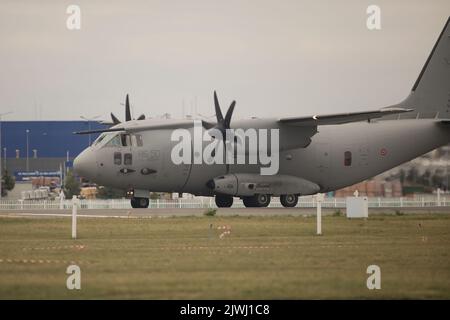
{"x":245,"y":185}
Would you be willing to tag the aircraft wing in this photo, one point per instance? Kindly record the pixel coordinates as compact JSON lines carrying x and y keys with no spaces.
{"x":133,"y":126}
{"x":341,"y":118}
{"x":316,"y":120}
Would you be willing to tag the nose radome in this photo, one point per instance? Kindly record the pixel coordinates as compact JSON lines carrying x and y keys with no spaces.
{"x":84,"y":164}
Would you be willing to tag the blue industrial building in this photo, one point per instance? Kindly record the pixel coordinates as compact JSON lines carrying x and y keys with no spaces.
{"x":49,"y":143}
{"x":50,"y":139}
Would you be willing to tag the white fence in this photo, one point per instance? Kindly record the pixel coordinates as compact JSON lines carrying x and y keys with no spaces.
{"x":304,"y":202}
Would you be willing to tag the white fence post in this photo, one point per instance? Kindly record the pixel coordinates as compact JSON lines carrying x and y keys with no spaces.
{"x":74,"y":217}
{"x":319,"y":200}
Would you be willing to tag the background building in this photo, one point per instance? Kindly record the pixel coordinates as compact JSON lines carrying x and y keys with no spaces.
{"x":43,"y":146}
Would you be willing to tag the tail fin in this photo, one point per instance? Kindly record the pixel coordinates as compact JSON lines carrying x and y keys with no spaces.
{"x":430,"y":95}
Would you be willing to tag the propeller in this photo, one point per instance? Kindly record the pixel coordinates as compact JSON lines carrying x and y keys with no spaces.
{"x":127,"y":109}
{"x":223,"y":123}
{"x":128,"y":116}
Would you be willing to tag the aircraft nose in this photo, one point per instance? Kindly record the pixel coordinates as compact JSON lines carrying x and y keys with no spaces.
{"x":84,"y":164}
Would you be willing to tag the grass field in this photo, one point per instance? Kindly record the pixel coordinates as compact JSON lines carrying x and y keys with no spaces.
{"x":262,"y":258}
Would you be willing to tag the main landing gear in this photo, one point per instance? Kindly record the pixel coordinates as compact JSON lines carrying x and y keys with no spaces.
{"x":257,"y":201}
{"x":289,"y":200}
{"x":140,"y":203}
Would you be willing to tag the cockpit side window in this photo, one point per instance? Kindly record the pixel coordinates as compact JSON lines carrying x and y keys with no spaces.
{"x":139,"y":140}
{"x":124,"y":140}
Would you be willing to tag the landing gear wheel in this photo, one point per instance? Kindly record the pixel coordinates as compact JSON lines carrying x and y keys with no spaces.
{"x":289,"y":200}
{"x":257,"y":201}
{"x":140,"y":203}
{"x":249,"y":202}
{"x":224,"y":201}
{"x":262,"y":200}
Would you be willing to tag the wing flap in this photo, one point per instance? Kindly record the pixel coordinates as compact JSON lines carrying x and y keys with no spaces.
{"x":341,"y":118}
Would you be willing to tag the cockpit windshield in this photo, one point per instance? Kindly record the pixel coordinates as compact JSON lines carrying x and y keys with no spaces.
{"x":118,"y":140}
{"x":101,"y":138}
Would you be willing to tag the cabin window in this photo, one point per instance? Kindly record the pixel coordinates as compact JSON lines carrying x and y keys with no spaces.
{"x":128,"y":159}
{"x":347,"y":158}
{"x":118,"y":158}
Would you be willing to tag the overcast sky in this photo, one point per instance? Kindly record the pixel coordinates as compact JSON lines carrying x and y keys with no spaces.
{"x":276,"y":58}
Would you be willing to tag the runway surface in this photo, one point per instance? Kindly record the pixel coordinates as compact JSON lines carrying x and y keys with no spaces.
{"x":166,"y":213}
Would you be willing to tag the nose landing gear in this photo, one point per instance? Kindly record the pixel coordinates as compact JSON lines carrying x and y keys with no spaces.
{"x":140,"y":203}
{"x":223,"y":201}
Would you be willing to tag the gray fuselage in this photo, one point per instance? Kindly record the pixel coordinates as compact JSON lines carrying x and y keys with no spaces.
{"x":337,"y":156}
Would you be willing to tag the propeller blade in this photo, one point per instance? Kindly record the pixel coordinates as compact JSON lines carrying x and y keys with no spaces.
{"x":219,"y":114}
{"x":127,"y":109}
{"x":114,"y":119}
{"x":223,"y":124}
{"x":229,"y":115}
{"x":141,"y":117}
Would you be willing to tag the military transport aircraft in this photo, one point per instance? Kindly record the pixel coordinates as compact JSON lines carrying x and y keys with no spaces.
{"x":307,"y":155}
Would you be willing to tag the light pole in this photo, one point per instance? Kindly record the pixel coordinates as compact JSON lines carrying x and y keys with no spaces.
{"x":1,"y":169}
{"x":28,"y":147}
{"x":89,"y":125}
